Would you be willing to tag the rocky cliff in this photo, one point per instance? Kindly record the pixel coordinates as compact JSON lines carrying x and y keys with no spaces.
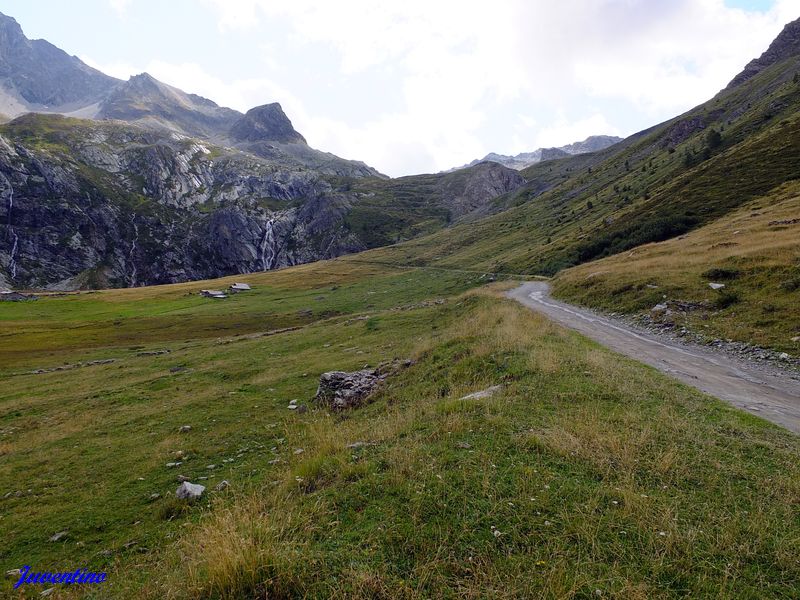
{"x":86,"y":204}
{"x":783,"y":47}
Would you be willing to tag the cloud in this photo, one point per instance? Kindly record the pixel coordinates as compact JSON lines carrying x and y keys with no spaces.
{"x":458,"y":63}
{"x":563,"y":128}
{"x":120,"y":6}
{"x":422,"y":86}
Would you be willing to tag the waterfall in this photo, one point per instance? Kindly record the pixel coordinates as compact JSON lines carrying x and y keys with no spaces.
{"x":12,"y":262}
{"x":267,"y":250}
{"x":131,"y":258}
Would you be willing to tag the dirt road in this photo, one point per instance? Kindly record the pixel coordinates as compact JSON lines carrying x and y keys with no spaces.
{"x":767,"y":395}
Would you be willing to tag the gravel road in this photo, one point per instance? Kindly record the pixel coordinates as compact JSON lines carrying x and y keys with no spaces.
{"x":771,"y":395}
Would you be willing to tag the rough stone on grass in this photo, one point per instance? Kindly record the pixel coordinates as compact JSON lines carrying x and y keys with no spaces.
{"x":190,"y":491}
{"x":487,"y":393}
{"x":57,"y":536}
{"x":341,"y":390}
{"x":222,"y":485}
{"x":716,"y":286}
{"x":184,"y":429}
{"x":659,"y":308}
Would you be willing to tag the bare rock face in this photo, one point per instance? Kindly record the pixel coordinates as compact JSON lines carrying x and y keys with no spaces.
{"x":786,"y":45}
{"x":340,"y":390}
{"x":265,"y":123}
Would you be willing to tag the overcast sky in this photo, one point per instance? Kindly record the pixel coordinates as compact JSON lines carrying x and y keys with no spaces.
{"x":424,"y":85}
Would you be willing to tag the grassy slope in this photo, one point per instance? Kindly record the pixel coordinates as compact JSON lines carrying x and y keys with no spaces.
{"x":759,"y":264}
{"x":598,"y":473}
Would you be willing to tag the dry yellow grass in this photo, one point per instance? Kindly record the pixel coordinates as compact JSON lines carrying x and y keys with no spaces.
{"x":750,"y":251}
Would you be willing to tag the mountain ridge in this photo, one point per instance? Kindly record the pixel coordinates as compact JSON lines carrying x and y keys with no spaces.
{"x":525,"y":159}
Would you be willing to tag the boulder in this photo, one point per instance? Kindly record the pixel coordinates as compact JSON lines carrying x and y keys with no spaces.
{"x":190,"y":491}
{"x":340,"y":390}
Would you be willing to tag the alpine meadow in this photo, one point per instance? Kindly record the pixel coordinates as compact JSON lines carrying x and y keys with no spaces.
{"x":235,"y":366}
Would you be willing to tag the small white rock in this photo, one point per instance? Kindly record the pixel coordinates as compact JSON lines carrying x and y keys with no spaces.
{"x":190,"y":491}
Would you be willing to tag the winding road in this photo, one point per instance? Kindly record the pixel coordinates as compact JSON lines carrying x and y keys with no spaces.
{"x":737,"y":382}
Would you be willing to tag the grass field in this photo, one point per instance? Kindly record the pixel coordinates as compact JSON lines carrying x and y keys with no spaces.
{"x":754,"y":252}
{"x":587,"y":472}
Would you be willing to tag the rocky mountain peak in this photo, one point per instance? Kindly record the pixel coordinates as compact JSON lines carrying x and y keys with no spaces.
{"x":265,"y":123}
{"x":10,"y":30}
{"x":786,"y":45}
{"x":35,"y":74}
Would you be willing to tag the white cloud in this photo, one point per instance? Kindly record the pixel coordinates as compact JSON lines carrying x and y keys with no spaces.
{"x":563,"y":129}
{"x":470,"y":78}
{"x":120,"y":6}
{"x":457,"y":61}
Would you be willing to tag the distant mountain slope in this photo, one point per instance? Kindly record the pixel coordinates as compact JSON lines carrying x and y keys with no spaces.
{"x":786,"y":45}
{"x":146,"y":101}
{"x":36,"y":76}
{"x":106,"y":203}
{"x":525,"y":159}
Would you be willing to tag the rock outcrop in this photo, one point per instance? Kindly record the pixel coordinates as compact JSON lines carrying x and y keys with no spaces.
{"x":265,"y":123}
{"x":785,"y":46}
{"x":340,"y":390}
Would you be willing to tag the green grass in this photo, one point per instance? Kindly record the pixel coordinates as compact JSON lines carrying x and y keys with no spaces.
{"x":580,"y":463}
{"x":757,"y":262}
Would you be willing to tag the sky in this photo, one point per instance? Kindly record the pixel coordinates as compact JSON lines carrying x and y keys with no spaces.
{"x":425,"y":85}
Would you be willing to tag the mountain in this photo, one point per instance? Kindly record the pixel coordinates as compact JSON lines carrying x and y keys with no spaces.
{"x":525,"y":159}
{"x":657,"y":184}
{"x":110,"y":204}
{"x":785,"y":46}
{"x":265,"y":123}
{"x":146,"y":101}
{"x":37,"y":76}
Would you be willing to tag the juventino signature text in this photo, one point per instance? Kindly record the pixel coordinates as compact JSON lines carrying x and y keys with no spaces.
{"x":78,"y":576}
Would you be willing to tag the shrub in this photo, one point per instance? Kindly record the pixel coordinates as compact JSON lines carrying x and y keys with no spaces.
{"x":721,"y":274}
{"x":726,"y":299}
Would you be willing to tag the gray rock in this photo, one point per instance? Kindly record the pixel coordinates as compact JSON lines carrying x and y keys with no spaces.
{"x":58,"y":536}
{"x":340,"y":390}
{"x":222,"y":485}
{"x":184,"y":429}
{"x":487,"y":393}
{"x":659,"y":308}
{"x":716,"y":286}
{"x":190,"y":491}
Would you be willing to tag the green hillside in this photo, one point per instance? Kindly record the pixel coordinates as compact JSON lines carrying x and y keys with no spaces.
{"x":653,"y":186}
{"x":586,"y":472}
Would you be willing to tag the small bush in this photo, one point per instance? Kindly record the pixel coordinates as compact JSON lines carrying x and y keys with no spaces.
{"x":721,"y":273}
{"x":791,"y":285}
{"x":726,"y":299}
{"x":172,"y":508}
